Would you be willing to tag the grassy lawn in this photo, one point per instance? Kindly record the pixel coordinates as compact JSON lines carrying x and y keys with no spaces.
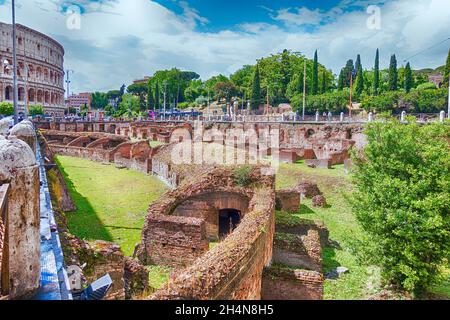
{"x":111,"y":202}
{"x":362,"y":281}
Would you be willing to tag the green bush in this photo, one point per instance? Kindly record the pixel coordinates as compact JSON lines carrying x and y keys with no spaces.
{"x":183,"y":105}
{"x":426,"y":101}
{"x":6,"y":109}
{"x":335,"y":102}
{"x":401,"y":200}
{"x":242,"y":176}
{"x":36,"y":110}
{"x":384,"y":102}
{"x":426,"y":85}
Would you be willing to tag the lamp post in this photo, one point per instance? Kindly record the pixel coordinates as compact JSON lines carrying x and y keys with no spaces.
{"x":15,"y":91}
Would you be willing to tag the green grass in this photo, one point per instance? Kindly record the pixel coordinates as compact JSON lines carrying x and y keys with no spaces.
{"x":158,"y":276}
{"x":362,"y":281}
{"x":111,"y":203}
{"x":155,"y":144}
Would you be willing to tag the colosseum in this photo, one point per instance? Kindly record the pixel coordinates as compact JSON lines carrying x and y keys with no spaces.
{"x":42,"y":58}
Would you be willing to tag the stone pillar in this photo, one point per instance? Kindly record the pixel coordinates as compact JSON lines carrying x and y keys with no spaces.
{"x":18,"y":168}
{"x":370,"y":117}
{"x":403,"y":117}
{"x":25,"y":132}
{"x":342,"y":117}
{"x":442,"y":116}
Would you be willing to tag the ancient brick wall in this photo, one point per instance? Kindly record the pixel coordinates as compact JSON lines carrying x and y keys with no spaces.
{"x":174,"y":241}
{"x":289,"y":284}
{"x":232,"y":269}
{"x":98,"y":155}
{"x":207,"y":206}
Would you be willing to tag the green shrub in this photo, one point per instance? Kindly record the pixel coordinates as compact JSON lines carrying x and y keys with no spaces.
{"x":401,"y":200}
{"x":335,"y":102}
{"x":426,"y":85}
{"x":6,"y":109}
{"x":36,"y":110}
{"x":242,"y":176}
{"x":426,"y":101}
{"x":384,"y":102}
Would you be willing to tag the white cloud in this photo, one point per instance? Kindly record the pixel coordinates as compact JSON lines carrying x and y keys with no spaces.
{"x":121,"y":40}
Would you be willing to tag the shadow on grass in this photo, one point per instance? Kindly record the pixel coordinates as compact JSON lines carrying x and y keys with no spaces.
{"x":84,"y":222}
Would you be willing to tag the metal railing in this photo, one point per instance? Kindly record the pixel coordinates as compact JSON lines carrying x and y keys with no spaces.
{"x":4,"y":242}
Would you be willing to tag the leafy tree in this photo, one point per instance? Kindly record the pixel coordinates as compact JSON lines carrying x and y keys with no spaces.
{"x":346,"y":74}
{"x":129,"y":107}
{"x":150,"y":99}
{"x":447,"y":70}
{"x":121,"y":93}
{"x":359,"y":85}
{"x":393,"y":74}
{"x":315,"y":77}
{"x":99,"y":100}
{"x":324,"y":83}
{"x":376,"y":81}
{"x":358,"y":62}
{"x":401,"y":201}
{"x":285,"y":71}
{"x":256,"y":91}
{"x":36,"y":110}
{"x":225,"y":90}
{"x":341,"y":79}
{"x":6,"y":109}
{"x":408,"y":78}
{"x":157,"y":96}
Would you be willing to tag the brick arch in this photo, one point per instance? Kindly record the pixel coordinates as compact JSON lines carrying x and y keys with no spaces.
{"x":208,"y":207}
{"x":8,"y":93}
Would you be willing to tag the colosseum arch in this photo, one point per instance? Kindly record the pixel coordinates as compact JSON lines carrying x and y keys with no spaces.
{"x":40,"y":96}
{"x":31,"y":95}
{"x":8,"y":93}
{"x":52,"y":99}
{"x":38,"y":73}
{"x":21,"y":93}
{"x":30,"y":71}
{"x":47,"y":97}
{"x":46,"y":75}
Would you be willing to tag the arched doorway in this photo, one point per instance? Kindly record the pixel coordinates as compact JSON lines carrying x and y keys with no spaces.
{"x":8,"y":93}
{"x":229,"y":219}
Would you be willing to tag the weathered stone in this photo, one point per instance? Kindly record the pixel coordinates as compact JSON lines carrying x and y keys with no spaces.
{"x":288,"y":200}
{"x":319,"y":201}
{"x":308,"y":189}
{"x":135,"y":279}
{"x":18,"y":168}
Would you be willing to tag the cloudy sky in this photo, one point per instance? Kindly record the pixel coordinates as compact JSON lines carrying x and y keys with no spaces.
{"x":116,"y":41}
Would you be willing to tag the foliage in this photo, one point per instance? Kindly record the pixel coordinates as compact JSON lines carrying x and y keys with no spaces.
{"x":383,"y":102}
{"x":359,"y":85}
{"x":426,"y":101}
{"x":225,"y":90}
{"x":408,"y":78}
{"x":315,"y":76}
{"x":242,"y":175}
{"x":335,"y":102}
{"x":402,"y":183}
{"x":6,"y":109}
{"x":256,"y":90}
{"x":99,"y":100}
{"x":376,"y":81}
{"x":129,"y":107}
{"x":36,"y":110}
{"x":393,"y":74}
{"x":426,"y":86}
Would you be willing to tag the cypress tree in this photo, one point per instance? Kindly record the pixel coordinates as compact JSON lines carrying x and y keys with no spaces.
{"x":256,"y":90}
{"x":150,"y":101}
{"x":341,"y":80}
{"x":447,"y":70}
{"x":393,"y":74}
{"x":359,"y":80}
{"x":324,"y":82}
{"x":300,"y":83}
{"x":376,"y":80}
{"x":315,"y":84}
{"x":408,"y":78}
{"x":157,"y":101}
{"x":358,"y":62}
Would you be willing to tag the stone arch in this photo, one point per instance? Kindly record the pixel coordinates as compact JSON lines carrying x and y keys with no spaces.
{"x":39,"y":73}
{"x":8,"y":93}
{"x":21,"y":93}
{"x":40,"y":96}
{"x":229,"y":219}
{"x":31,"y":95}
{"x":209,"y":206}
{"x":45,"y":74}
{"x":52,"y":98}
{"x":47,"y":97}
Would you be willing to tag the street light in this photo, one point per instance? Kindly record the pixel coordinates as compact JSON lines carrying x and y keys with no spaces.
{"x":16,"y":117}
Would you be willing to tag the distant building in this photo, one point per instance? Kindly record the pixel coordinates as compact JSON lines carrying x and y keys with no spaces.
{"x":40,"y":72}
{"x":79,"y":100}
{"x":437,"y":79}
{"x":141,"y":81}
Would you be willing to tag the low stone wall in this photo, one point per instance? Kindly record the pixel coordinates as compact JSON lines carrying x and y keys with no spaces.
{"x":290,"y":284}
{"x":98,"y":155}
{"x":233,"y":269}
{"x":175,"y":241}
{"x":288,"y":200}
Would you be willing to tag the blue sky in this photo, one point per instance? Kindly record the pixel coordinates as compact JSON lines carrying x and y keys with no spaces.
{"x":121,"y":40}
